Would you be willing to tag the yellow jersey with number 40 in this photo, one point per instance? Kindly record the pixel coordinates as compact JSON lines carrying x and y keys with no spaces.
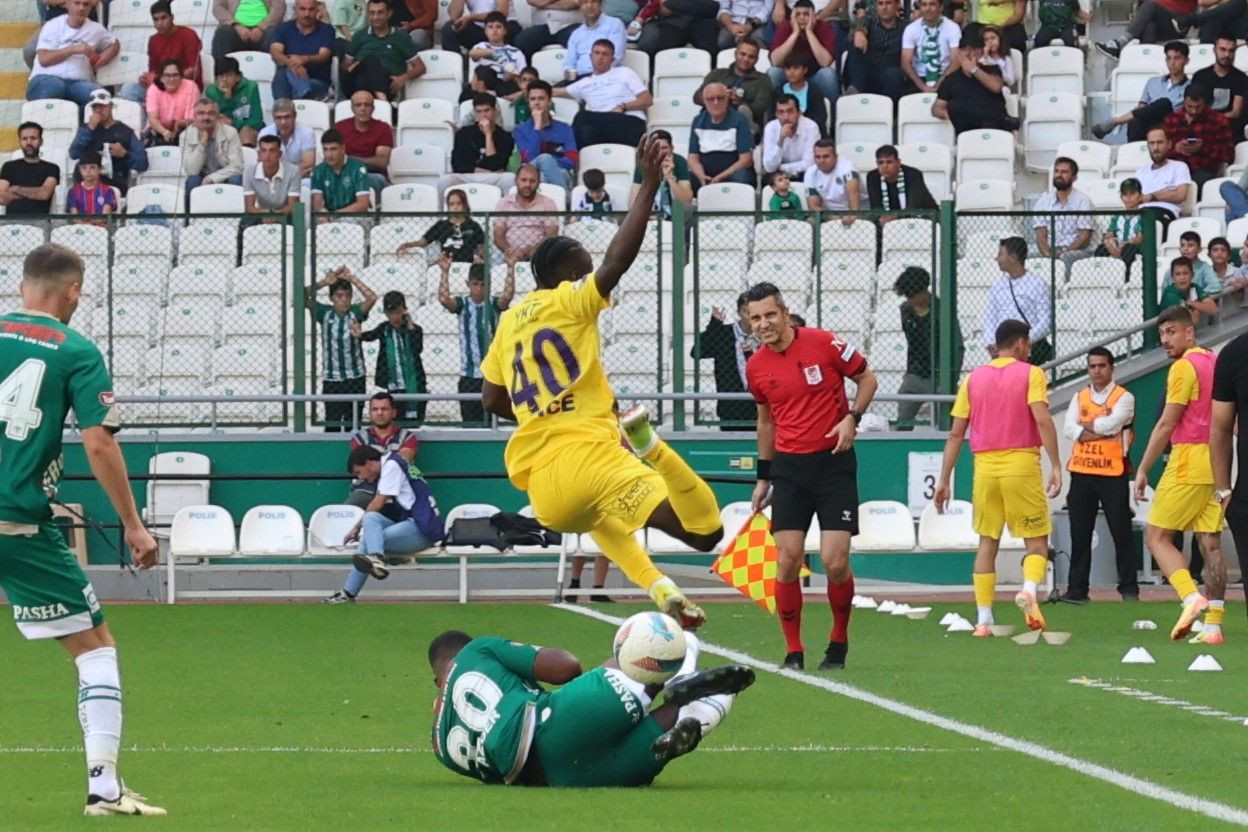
{"x":546,"y":353}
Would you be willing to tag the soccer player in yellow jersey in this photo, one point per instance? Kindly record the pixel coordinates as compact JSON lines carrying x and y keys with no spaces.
{"x":1185,"y":498}
{"x":544,"y":371}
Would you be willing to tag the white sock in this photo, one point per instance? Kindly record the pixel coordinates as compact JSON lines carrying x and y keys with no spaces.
{"x":99,"y":712}
{"x":1031,"y":586}
{"x":709,"y":710}
{"x":693,"y":649}
{"x":985,"y":615}
{"x":1214,"y":628}
{"x":637,"y":689}
{"x":1191,"y":598}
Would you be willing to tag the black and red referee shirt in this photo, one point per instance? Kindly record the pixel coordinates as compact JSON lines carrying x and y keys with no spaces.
{"x":805,"y":387}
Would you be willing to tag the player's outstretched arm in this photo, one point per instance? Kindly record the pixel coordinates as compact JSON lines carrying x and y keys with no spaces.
{"x":627,"y":241}
{"x":109,"y":467}
{"x":555,"y":667}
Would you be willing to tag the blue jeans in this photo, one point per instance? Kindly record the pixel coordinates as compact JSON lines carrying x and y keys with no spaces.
{"x":288,"y":85}
{"x":1236,"y":201}
{"x":550,"y":172}
{"x":49,"y":86}
{"x":133,"y":91}
{"x":382,"y":536}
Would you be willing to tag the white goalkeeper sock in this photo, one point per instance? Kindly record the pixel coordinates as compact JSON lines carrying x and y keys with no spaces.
{"x":709,"y":710}
{"x":99,"y":712}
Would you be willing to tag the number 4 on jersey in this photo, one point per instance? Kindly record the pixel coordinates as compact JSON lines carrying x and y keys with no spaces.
{"x":18,"y":396}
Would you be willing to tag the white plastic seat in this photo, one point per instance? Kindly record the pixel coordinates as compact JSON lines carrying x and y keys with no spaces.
{"x":255,"y":280}
{"x":916,"y":124}
{"x":1052,"y":118}
{"x":193,"y":317}
{"x":864,"y":118}
{"x":339,"y":244}
{"x":1206,"y":227}
{"x":201,"y":531}
{"x":1237,"y":231}
{"x":168,"y":198}
{"x":1103,"y":192}
{"x":252,"y":317}
{"x":608,"y":158}
{"x":271,"y":531}
{"x":847,"y":275}
{"x":468,"y":511}
{"x":715,"y":273}
{"x":985,"y":154}
{"x":726,"y":196}
{"x":329,"y":525}
{"x":178,"y":360}
{"x":52,"y":114}
{"x":417,"y":164}
{"x":639,"y":62}
{"x":984,"y":195}
{"x":884,"y":526}
{"x":314,"y":114}
{"x":1211,"y":204}
{"x":673,"y":113}
{"x":977,"y":272}
{"x":383,"y":247}
{"x":549,"y":64}
{"x":482,"y":198}
{"x":844,"y":242}
{"x":935,"y":161}
{"x":1055,"y":69}
{"x":266,"y":243}
{"x":17,"y":239}
{"x":910,"y":238}
{"x":949,"y":531}
{"x":427,"y":121}
{"x":790,"y":277}
{"x":123,"y":69}
{"x":164,"y":165}
{"x":246,"y":360}
{"x":679,"y":71}
{"x":724,"y":235}
{"x":254,"y":66}
{"x":1094,"y":158}
{"x":90,"y":241}
{"x":409,"y":199}
{"x":1129,"y":158}
{"x":217,"y":199}
{"x":861,"y":154}
{"x":165,"y":498}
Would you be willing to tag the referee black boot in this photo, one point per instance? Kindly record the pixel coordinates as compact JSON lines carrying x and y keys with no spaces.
{"x":794,"y":661}
{"x":834,"y":656}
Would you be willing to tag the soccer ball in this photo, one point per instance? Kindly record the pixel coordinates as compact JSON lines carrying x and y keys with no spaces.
{"x":649,"y":647}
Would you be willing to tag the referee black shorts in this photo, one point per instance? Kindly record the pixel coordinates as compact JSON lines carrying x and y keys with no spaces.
{"x":821,"y":484}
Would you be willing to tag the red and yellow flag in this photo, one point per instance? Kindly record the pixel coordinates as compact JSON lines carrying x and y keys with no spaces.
{"x":749,"y":562}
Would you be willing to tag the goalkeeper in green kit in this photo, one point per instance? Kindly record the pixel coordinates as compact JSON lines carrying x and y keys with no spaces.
{"x":46,"y":369}
{"x":494,"y":721}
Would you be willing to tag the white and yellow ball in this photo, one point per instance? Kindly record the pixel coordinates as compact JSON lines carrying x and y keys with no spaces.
{"x":649,"y":647}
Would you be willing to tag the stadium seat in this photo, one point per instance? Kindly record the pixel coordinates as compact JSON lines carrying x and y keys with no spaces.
{"x":314,"y":114}
{"x":165,"y":498}
{"x":936,"y":163}
{"x":1104,"y":273}
{"x":382,"y":110}
{"x":217,"y":199}
{"x":268,"y":244}
{"x":210,"y":243}
{"x":549,"y":64}
{"x":1211,"y":204}
{"x":1237,"y":231}
{"x":123,"y":69}
{"x":408,"y":199}
{"x":1136,"y":64}
{"x":917,"y":125}
{"x":565,"y":109}
{"x":178,"y":360}
{"x":422,"y":164}
{"x":679,"y":72}
{"x":1103,"y":192}
{"x":255,"y":66}
{"x":984,"y":195}
{"x":639,"y":62}
{"x":861,"y":154}
{"x":164,"y":166}
{"x":252,"y":280}
{"x":271,"y":531}
{"x":90,"y":241}
{"x":384,"y":241}
{"x":673,"y":113}
{"x":617,"y":193}
{"x":985,"y":154}
{"x":426,"y":121}
{"x":1052,"y":118}
{"x":910,"y":238}
{"x":193,"y":316}
{"x":1129,"y":158}
{"x":887,"y":317}
{"x":979,"y":272}
{"x":339,"y":244}
{"x":58,"y":117}
{"x":845,"y":242}
{"x":481,"y":198}
{"x":201,"y":531}
{"x":246,"y":361}
{"x":328,"y":527}
{"x":614,"y":160}
{"x":951,"y":531}
{"x":129,"y":13}
{"x":1200,"y":56}
{"x":1095,"y":159}
{"x":726,"y":196}
{"x":864,"y":118}
{"x":166,"y":198}
{"x":443,"y":78}
{"x":883,"y":526}
{"x":1206,"y":227}
{"x":1055,"y":69}
{"x":468,"y":511}
{"x":722,"y":235}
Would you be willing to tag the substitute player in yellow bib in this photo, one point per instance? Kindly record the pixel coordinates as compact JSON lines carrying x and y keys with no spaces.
{"x":1185,"y":498}
{"x":544,"y":371}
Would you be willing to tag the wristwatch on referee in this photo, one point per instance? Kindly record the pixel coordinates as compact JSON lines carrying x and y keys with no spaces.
{"x":857,"y":414}
{"x":1221,"y":494}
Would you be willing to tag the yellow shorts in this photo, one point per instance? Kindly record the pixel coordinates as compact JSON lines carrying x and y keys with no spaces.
{"x":1182,"y":507}
{"x":1017,"y":501}
{"x":576,"y":488}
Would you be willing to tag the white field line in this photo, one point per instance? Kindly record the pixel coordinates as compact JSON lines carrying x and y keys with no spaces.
{"x":1128,"y":782}
{"x":1157,"y":698}
{"x":290,"y":749}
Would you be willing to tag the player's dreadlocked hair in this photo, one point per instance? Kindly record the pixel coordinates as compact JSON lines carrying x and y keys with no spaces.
{"x":547,"y":256}
{"x":447,"y":645}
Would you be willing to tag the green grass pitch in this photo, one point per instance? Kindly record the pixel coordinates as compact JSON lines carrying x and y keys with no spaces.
{"x":301,"y":717}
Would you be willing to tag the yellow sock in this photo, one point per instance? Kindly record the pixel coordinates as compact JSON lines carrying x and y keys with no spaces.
{"x":1183,"y":584}
{"x":618,"y":544}
{"x":985,"y":588}
{"x":1034,"y":567}
{"x":690,"y":496}
{"x":1215,"y":614}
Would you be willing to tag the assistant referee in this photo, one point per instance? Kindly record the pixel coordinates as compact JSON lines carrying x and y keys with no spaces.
{"x":806,"y":461}
{"x":1230,"y":403}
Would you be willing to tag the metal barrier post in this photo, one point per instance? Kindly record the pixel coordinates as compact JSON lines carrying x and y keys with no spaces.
{"x":949,"y":310}
{"x":677,"y":313}
{"x":299,"y":286}
{"x":1149,"y":276}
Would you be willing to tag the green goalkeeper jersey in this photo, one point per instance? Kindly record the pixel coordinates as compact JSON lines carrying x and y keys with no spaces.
{"x":45,"y":370}
{"x":487,"y":714}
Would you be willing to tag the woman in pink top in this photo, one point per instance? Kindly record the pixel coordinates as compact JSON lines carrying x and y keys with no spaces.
{"x":170,"y":105}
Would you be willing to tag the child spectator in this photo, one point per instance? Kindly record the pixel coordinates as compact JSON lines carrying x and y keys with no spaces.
{"x":783,"y":201}
{"x":995,"y":54}
{"x":520,"y":98}
{"x":1123,"y":237}
{"x":810,"y":101}
{"x":595,"y":201}
{"x":399,"y":365}
{"x":1223,"y":269}
{"x":1182,"y":291}
{"x":91,"y":196}
{"x":498,"y":64}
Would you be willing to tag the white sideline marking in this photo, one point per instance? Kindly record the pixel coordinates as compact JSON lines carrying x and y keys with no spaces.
{"x":290,"y":749}
{"x":1128,"y":782}
{"x":1157,"y":698}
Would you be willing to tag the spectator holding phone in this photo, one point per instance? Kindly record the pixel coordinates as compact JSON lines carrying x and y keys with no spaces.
{"x":1199,"y":135}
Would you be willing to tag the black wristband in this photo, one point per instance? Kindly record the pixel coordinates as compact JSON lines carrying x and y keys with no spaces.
{"x":764,"y":469}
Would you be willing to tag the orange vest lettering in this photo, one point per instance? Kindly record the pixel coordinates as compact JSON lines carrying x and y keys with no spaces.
{"x":1104,"y":457}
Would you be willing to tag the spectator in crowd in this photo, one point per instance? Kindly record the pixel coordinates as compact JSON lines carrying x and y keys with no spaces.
{"x":380,"y":59}
{"x":368,"y":140}
{"x":170,"y":105}
{"x":497,"y":64}
{"x":271,"y":187}
{"x":116,"y":143}
{"x":1006,"y":16}
{"x":49,"y":10}
{"x":238,"y":100}
{"x":458,"y":235}
{"x":893,"y":186}
{"x":245,"y":25}
{"x":1235,"y":195}
{"x":578,"y":58}
{"x":1022,"y":296}
{"x":90,"y":196}
{"x":1161,"y":96}
{"x":298,"y":141}
{"x":400,"y":368}
{"x":668,"y":24}
{"x":545,"y":142}
{"x":971,"y":97}
{"x":466,"y":18}
{"x":340,"y":184}
{"x":920,"y":314}
{"x":745,"y":21}
{"x":721,"y":144}
{"x":416,"y":18}
{"x":832,"y":183}
{"x":28,"y":184}
{"x":1164,"y":180}
{"x":1182,"y":291}
{"x":594,"y":202}
{"x":1199,"y":136}
{"x":515,"y":237}
{"x":783,"y":199}
{"x":519,"y":99}
{"x":1227,"y":85}
{"x":383,"y":433}
{"x":348,"y":17}
{"x":615,"y":102}
{"x":928,"y":47}
{"x":788,"y":141}
{"x":729,"y":345}
{"x":809,"y":100}
{"x":1124,"y":236}
{"x":997,"y":54}
{"x":400,"y":521}
{"x":677,"y":181}
{"x":873,"y":62}
{"x":811,"y":41}
{"x":481,"y":149}
{"x":553,"y":23}
{"x":1068,"y":213}
{"x":211,"y":151}
{"x":342,"y":368}
{"x":1058,"y":21}
{"x":1153,"y":21}
{"x":69,"y":51}
{"x":478,"y":318}
{"x":1214,"y":18}
{"x":1223,"y":269}
{"x":1203,"y":275}
{"x":750,"y":91}
{"x":601,"y":566}
{"x":170,"y":42}
{"x":302,"y":49}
